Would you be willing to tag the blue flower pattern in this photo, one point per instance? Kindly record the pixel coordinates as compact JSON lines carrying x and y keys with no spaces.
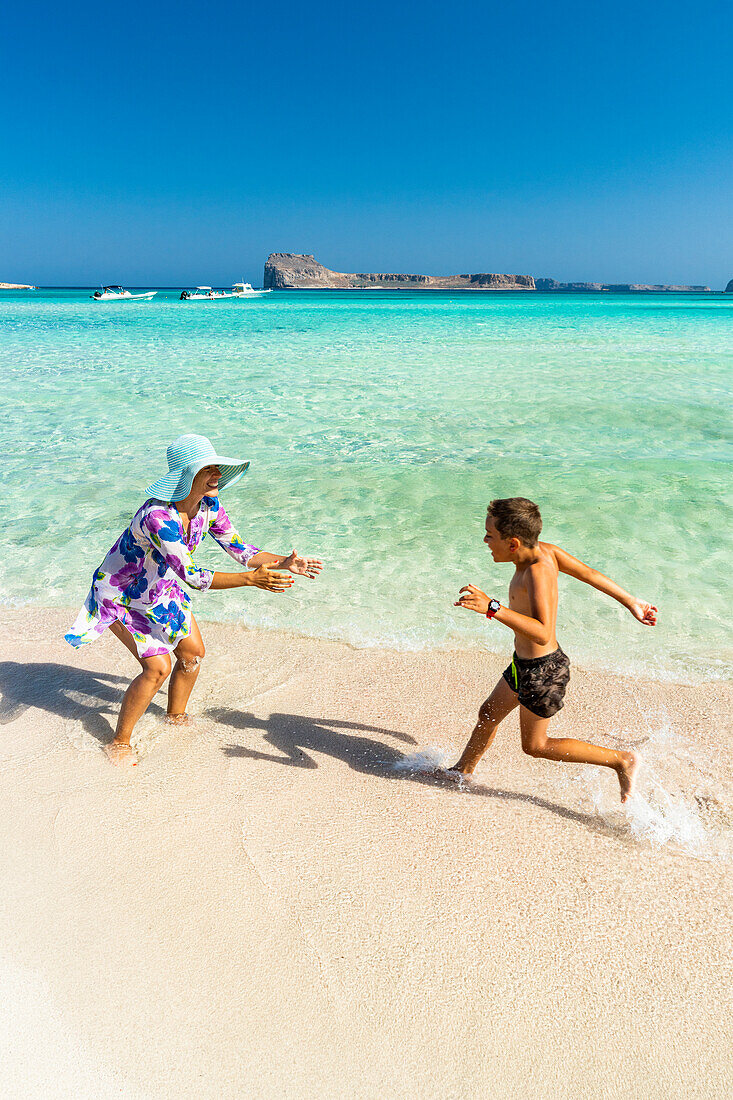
{"x":129,"y":549}
{"x":172,"y":616}
{"x":135,"y":588}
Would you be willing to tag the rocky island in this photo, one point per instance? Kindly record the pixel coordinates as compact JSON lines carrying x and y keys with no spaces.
{"x":293,"y":271}
{"x":618,"y":288}
{"x":15,"y":286}
{"x":290,"y":271}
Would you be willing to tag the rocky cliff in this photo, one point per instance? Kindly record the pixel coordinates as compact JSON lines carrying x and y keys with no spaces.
{"x":729,"y":288}
{"x":16,"y":286}
{"x":289,"y":271}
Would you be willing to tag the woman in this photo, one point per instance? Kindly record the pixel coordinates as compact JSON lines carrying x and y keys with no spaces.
{"x":137,"y":592}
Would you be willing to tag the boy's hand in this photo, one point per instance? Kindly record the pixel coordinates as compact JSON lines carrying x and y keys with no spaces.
{"x":473,"y":599}
{"x":301,"y":567}
{"x":646,"y":613}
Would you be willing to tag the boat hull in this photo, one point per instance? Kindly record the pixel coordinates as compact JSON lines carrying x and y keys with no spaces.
{"x":125,"y":297}
{"x":207,"y":297}
{"x":222,"y":297}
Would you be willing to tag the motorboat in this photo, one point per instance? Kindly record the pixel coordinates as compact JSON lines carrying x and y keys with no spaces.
{"x":119,"y":294}
{"x":245,"y":290}
{"x":208,"y":294}
{"x":204,"y":294}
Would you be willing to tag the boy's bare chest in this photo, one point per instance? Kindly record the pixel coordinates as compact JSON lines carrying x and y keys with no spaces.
{"x":518,"y":594}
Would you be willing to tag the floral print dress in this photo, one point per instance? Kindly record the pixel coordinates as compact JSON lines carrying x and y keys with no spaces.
{"x":140,"y":581}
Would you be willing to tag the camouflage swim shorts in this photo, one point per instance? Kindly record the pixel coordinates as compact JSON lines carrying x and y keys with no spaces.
{"x":540,"y":682}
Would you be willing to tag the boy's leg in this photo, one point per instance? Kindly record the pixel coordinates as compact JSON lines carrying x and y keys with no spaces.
{"x":189,"y":653}
{"x":492,"y":711}
{"x":535,"y":742}
{"x":138,"y":696}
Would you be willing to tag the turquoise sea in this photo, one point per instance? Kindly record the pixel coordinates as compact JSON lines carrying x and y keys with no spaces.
{"x":379,"y":425}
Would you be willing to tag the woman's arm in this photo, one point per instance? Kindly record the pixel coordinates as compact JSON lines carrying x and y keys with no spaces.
{"x":262,"y":577}
{"x":163,"y":531}
{"x":222,"y":529}
{"x":225,"y":533}
{"x":264,"y":557}
{"x":293,"y":562}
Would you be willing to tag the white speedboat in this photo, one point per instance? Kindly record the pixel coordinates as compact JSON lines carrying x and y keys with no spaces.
{"x":208,"y":294}
{"x":245,"y":290}
{"x":204,"y":294}
{"x":119,"y":294}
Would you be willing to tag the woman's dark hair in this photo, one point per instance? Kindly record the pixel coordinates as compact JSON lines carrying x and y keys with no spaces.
{"x":517,"y":518}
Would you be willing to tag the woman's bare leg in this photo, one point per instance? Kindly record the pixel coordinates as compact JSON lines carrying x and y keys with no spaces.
{"x":138,"y":696}
{"x":189,"y":652}
{"x":535,"y":742}
{"x":493,"y":710}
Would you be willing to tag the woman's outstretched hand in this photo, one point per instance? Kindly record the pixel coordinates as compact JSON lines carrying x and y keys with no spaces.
{"x":265,"y":576}
{"x":300,"y":566}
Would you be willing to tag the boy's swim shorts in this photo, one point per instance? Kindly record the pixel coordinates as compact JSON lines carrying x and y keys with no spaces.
{"x":540,"y":682}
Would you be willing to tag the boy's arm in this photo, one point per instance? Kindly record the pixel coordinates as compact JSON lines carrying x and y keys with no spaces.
{"x":539,"y":627}
{"x":646,"y":613}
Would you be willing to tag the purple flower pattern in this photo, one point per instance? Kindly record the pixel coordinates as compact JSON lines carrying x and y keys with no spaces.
{"x":139,"y":582}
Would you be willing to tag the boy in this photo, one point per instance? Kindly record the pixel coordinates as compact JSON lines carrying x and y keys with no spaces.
{"x":538,"y":675}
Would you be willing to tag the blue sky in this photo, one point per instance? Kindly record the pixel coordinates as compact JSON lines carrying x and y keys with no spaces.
{"x":176,"y":143}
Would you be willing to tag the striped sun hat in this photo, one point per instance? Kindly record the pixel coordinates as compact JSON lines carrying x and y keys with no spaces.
{"x":186,"y":456}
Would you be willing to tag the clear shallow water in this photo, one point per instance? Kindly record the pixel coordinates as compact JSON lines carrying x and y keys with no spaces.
{"x":379,"y":425}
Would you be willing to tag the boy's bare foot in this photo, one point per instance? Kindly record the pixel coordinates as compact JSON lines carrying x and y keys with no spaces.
{"x":451,"y":774}
{"x":626,"y":772}
{"x":177,"y":719}
{"x":121,"y":753}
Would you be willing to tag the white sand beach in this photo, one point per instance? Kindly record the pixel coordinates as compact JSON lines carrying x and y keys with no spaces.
{"x":269,"y":906}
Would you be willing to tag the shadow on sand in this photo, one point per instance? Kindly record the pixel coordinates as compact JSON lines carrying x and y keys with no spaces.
{"x":89,"y":697}
{"x":296,"y":736}
{"x":75,"y":693}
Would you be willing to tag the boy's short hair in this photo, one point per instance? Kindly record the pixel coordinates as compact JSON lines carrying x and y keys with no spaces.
{"x":517,"y":518}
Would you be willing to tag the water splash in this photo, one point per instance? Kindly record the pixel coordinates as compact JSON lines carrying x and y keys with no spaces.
{"x":428,"y":760}
{"x":681,"y":799}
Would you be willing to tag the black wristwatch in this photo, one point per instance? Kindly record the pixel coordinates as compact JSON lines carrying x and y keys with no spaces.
{"x":494,"y":606}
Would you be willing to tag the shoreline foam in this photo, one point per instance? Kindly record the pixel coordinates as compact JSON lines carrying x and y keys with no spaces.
{"x":606,"y":663}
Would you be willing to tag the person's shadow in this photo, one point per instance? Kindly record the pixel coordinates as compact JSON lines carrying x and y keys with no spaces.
{"x":75,"y":693}
{"x":295,"y":737}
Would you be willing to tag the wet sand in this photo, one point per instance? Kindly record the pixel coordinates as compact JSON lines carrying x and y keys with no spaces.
{"x":269,"y":906}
